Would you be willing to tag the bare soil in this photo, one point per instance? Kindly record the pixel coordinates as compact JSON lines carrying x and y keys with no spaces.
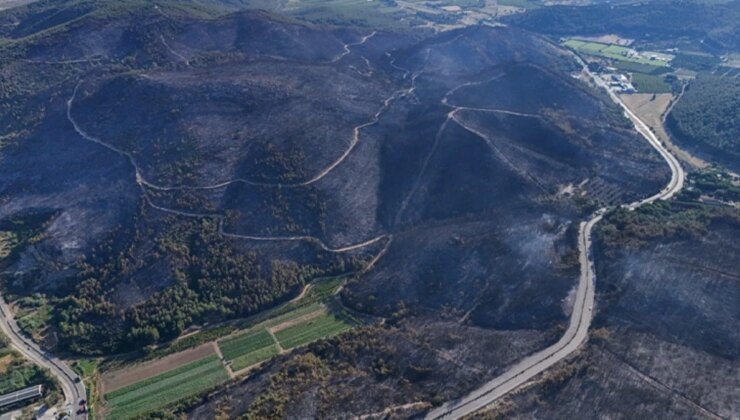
{"x":5,"y":361}
{"x":118,"y":379}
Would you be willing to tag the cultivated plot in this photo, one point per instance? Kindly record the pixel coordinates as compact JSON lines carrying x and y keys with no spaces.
{"x":311,"y":318}
{"x":248,"y":349}
{"x":614,"y":52}
{"x":121,"y":378}
{"x":323,"y":326}
{"x":159,"y":391}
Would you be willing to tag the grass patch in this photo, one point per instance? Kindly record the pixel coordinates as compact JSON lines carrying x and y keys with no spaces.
{"x":86,"y":367}
{"x":161,"y":390}
{"x":321,"y":327}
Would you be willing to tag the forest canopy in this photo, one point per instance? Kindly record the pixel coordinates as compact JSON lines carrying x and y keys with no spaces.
{"x":706,"y":116}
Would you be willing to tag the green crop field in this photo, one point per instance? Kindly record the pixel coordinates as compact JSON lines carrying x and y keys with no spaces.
{"x":587,"y":47}
{"x":245,"y":343}
{"x":324,"y":326}
{"x":249,"y":348}
{"x":253,"y":344}
{"x":161,"y":390}
{"x":614,"y":52}
{"x":256,"y":345}
{"x":253,"y":357}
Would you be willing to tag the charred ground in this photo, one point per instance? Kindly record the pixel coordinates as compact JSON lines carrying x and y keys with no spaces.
{"x":186,"y":170}
{"x":663,"y":342}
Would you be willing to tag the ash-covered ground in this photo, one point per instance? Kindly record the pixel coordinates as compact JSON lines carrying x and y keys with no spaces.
{"x":664,"y":342}
{"x":171,"y":170}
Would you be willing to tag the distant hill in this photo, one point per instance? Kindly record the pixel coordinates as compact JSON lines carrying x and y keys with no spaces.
{"x":714,"y":26}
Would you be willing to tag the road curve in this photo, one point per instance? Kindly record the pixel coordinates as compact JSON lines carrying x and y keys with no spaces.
{"x":73,"y":391}
{"x":582,"y":314}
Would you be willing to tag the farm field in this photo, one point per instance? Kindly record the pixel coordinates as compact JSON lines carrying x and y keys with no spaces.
{"x":647,"y":83}
{"x":305,"y":332}
{"x":142,"y":388}
{"x":120,"y":378}
{"x":159,"y":391}
{"x":253,"y":357}
{"x":257,"y":345}
{"x":614,"y":52}
{"x":318,"y":291}
{"x":248,"y":349}
{"x":632,"y":67}
{"x":316,"y":294}
{"x":309,"y":315}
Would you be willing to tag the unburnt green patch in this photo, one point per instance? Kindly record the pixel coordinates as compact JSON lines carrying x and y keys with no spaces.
{"x":248,"y":349}
{"x":159,"y":391}
{"x":614,"y":52}
{"x":324,"y":326}
{"x":297,"y":323}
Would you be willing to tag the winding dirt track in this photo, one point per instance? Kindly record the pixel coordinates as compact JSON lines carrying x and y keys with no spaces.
{"x":580,"y":320}
{"x":347,"y":48}
{"x":144,"y":184}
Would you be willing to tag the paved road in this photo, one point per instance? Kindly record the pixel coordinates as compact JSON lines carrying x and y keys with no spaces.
{"x":580,"y":320}
{"x":678,"y":176}
{"x":73,"y":391}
